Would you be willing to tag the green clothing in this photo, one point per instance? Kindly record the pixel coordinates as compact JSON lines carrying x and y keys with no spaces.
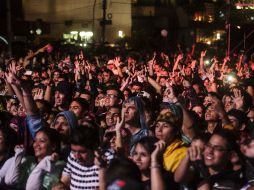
{"x":29,"y":163}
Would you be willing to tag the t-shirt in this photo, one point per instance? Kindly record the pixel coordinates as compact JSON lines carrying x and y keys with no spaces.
{"x":82,"y":177}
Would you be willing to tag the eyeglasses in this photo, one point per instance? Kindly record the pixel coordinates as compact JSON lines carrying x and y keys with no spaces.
{"x":216,"y":147}
{"x":111,"y":96}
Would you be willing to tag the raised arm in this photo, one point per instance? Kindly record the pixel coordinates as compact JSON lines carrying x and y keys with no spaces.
{"x":226,"y":59}
{"x":117,"y":63}
{"x":178,"y":59}
{"x":31,"y":54}
{"x":119,"y":126}
{"x":201,"y":63}
{"x":184,"y":172}
{"x":193,"y":49}
{"x":156,"y":175}
{"x":154,"y":84}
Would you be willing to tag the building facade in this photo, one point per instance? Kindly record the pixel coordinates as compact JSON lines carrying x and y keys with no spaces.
{"x":65,"y":16}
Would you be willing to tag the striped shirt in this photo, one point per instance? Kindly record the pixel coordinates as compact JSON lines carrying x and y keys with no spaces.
{"x":82,"y":177}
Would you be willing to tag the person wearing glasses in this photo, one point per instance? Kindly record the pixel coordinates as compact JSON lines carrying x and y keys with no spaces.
{"x":113,"y":97}
{"x":212,"y":167}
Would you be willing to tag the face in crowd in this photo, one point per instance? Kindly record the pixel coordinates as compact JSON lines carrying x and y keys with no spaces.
{"x":42,"y":145}
{"x":111,"y":116}
{"x":198,"y":110}
{"x":82,"y":155}
{"x":165,"y":131}
{"x":62,"y":126}
{"x":106,"y":77}
{"x":76,"y":108}
{"x":60,"y":98}
{"x":211,"y":114}
{"x":130,"y":112}
{"x":217,"y":154}
{"x":141,"y":157}
{"x":112,"y":98}
{"x":228,"y":103}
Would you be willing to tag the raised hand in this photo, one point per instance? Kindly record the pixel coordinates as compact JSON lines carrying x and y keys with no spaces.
{"x":203,"y":53}
{"x":117,"y":61}
{"x":126,"y":83}
{"x":238,"y":99}
{"x":54,"y":157}
{"x":194,"y":153}
{"x":120,"y":122}
{"x":158,"y":151}
{"x":11,"y":76}
{"x":19,"y":148}
{"x":39,"y":94}
{"x":193,"y":64}
{"x":179,"y":57}
{"x":226,"y":59}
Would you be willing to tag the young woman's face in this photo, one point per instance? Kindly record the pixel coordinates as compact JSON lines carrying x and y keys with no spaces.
{"x":164,"y":131}
{"x":141,"y":157}
{"x":42,"y":146}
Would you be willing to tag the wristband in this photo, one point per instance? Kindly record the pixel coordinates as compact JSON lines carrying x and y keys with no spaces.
{"x":155,"y":166}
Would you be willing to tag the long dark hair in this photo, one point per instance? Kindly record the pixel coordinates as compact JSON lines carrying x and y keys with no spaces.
{"x":148,"y":143}
{"x":54,"y":138}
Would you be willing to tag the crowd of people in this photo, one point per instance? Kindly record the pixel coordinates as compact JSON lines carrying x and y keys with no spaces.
{"x":136,"y":121}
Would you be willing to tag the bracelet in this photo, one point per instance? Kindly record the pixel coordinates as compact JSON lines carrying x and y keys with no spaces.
{"x":155,"y":166}
{"x":26,"y":95}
